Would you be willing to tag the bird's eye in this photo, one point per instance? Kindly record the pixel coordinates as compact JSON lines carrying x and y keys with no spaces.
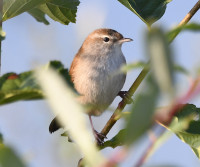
{"x":106,"y":39}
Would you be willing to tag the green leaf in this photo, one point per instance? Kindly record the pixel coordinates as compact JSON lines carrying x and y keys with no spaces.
{"x":141,"y":117}
{"x":190,"y":134}
{"x":140,"y":64}
{"x":197,"y":152}
{"x":58,"y":66}
{"x":161,"y":61}
{"x":38,"y":15}
{"x":192,"y":139}
{"x":15,"y":87}
{"x":131,"y":66}
{"x":187,"y":110}
{"x":173,"y":33}
{"x":8,"y":158}
{"x":147,"y":10}
{"x":180,"y":69}
{"x":72,"y":4}
{"x":117,"y":140}
{"x":12,"y":8}
{"x":61,"y":11}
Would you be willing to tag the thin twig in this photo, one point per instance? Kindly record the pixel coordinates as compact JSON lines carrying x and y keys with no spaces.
{"x":142,"y":75}
{"x":186,"y":19}
{"x":190,"y":14}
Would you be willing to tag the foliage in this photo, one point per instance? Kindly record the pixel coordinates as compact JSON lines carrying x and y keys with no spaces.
{"x":147,"y":10}
{"x":192,"y":26}
{"x":8,"y":157}
{"x":191,"y":134}
{"x":59,"y":10}
{"x":142,"y":114}
{"x":15,"y":87}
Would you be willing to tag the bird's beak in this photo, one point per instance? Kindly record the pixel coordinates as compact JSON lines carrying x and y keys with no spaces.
{"x":125,"y":40}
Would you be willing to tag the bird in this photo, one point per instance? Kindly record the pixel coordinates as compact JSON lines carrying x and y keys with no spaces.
{"x":93,"y":73}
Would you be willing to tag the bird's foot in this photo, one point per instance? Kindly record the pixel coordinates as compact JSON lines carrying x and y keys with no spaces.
{"x":125,"y":95}
{"x":99,"y":137}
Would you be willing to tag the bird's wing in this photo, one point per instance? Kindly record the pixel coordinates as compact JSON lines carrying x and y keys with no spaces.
{"x":73,"y":65}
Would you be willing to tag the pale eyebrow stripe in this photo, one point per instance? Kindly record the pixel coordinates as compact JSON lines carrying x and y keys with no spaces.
{"x":99,"y":35}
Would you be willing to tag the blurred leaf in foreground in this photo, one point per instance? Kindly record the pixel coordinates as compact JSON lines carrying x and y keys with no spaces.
{"x":63,"y":102}
{"x":128,"y":67}
{"x":173,"y":33}
{"x":8,"y":158}
{"x":161,"y":62}
{"x":147,"y":10}
{"x":142,"y":111}
{"x":131,"y":66}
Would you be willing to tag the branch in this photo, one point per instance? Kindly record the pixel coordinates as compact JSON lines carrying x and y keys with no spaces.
{"x":186,"y":19}
{"x":143,"y":74}
{"x":123,"y":103}
{"x":166,"y":117}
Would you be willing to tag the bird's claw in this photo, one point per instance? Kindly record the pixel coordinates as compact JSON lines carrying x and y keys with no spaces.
{"x":125,"y":95}
{"x":99,"y":138}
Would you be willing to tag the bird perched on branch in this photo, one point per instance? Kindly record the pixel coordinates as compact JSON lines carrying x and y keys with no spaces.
{"x":93,"y":72}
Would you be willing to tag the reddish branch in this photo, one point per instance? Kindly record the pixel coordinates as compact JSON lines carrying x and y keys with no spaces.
{"x":167,"y":118}
{"x":148,"y":151}
{"x":179,"y":103}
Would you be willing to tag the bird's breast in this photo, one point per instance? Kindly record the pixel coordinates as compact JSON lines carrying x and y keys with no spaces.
{"x":98,"y":80}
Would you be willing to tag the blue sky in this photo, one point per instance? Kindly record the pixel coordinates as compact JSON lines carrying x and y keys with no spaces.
{"x":29,"y":44}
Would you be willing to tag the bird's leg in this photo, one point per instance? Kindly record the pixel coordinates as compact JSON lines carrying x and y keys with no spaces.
{"x":99,"y":137}
{"x":125,"y":95}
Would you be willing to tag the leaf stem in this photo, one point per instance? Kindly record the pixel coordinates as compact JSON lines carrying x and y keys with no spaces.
{"x":111,"y":122}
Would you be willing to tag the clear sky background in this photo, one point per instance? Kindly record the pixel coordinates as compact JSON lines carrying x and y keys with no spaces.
{"x":30,"y":43}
